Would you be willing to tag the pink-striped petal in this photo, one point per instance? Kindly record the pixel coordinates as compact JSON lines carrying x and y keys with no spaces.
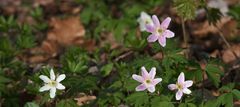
{"x":168,"y":34}
{"x":145,"y":74}
{"x":152,"y":73}
{"x":156,"y":81}
{"x":166,"y":22}
{"x":155,"y":21}
{"x":151,"y":89}
{"x":152,"y":38}
{"x":172,"y":87}
{"x":150,"y":28}
{"x":181,"y":78}
{"x":179,"y":95}
{"x":141,"y":87}
{"x":137,"y":78}
{"x":162,"y":41}
{"x":188,"y":83}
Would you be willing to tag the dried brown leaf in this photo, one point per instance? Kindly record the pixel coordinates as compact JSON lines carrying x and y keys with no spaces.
{"x":227,"y":26}
{"x":84,"y":99}
{"x":228,"y":55}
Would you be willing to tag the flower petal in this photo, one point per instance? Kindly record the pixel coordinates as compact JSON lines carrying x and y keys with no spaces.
{"x":181,"y":78}
{"x":44,"y":88}
{"x":152,"y":38}
{"x":61,"y":77}
{"x":137,"y":78}
{"x":60,"y":86}
{"x":186,"y":91}
{"x":151,"y":89}
{"x":152,"y":73}
{"x":166,"y":22}
{"x":155,"y":21}
{"x":143,"y":19}
{"x":179,"y":95}
{"x":144,"y":73}
{"x":44,"y":78}
{"x":144,"y":15}
{"x":188,"y":83}
{"x":150,"y":28}
{"x":172,"y":87}
{"x":53,"y":92}
{"x":168,"y":34}
{"x":162,"y":41}
{"x":141,"y":87}
{"x":156,"y":81}
{"x":52,"y":75}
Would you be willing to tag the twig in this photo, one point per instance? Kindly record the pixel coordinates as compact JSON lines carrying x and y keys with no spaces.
{"x":123,"y":56}
{"x":226,"y":42}
{"x":185,"y":38}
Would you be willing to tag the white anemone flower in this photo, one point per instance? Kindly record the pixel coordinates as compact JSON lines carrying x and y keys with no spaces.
{"x":182,"y":86}
{"x":52,"y":83}
{"x":144,"y":20}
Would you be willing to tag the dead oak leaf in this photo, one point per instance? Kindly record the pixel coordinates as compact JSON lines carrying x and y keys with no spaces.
{"x":228,"y":56}
{"x":227,"y":26}
{"x":64,"y":33}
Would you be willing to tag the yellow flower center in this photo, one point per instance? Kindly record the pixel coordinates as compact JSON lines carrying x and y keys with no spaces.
{"x":148,"y":81}
{"x":179,"y":86}
{"x":146,"y":22}
{"x":52,"y":83}
{"x":160,"y":31}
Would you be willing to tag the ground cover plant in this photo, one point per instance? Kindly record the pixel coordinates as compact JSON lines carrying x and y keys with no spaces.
{"x":119,"y":53}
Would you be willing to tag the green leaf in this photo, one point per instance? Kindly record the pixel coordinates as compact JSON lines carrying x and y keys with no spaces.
{"x":211,"y":103}
{"x":236,"y":93}
{"x":66,"y":103}
{"x":162,"y":104}
{"x":228,"y":100}
{"x":4,"y":79}
{"x":214,"y":74}
{"x":213,"y":15}
{"x":31,"y":104}
{"x":106,"y":70}
{"x":227,"y":87}
{"x":185,"y":8}
{"x":138,"y":99}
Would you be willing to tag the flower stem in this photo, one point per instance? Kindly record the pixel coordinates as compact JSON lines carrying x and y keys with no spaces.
{"x":185,"y":38}
{"x":203,"y":84}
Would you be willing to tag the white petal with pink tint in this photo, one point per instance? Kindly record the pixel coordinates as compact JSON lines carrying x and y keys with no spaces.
{"x":152,"y":38}
{"x":168,"y":34}
{"x":152,"y":73}
{"x":188,"y":83}
{"x":144,"y":73}
{"x":141,"y":87}
{"x":150,"y":28}
{"x":151,"y":89}
{"x":166,"y":22}
{"x":172,"y":86}
{"x":179,"y":95}
{"x":162,"y":41}
{"x":156,"y":81}
{"x":137,"y":78}
{"x":186,"y":91}
{"x":155,"y":21}
{"x":181,"y":78}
